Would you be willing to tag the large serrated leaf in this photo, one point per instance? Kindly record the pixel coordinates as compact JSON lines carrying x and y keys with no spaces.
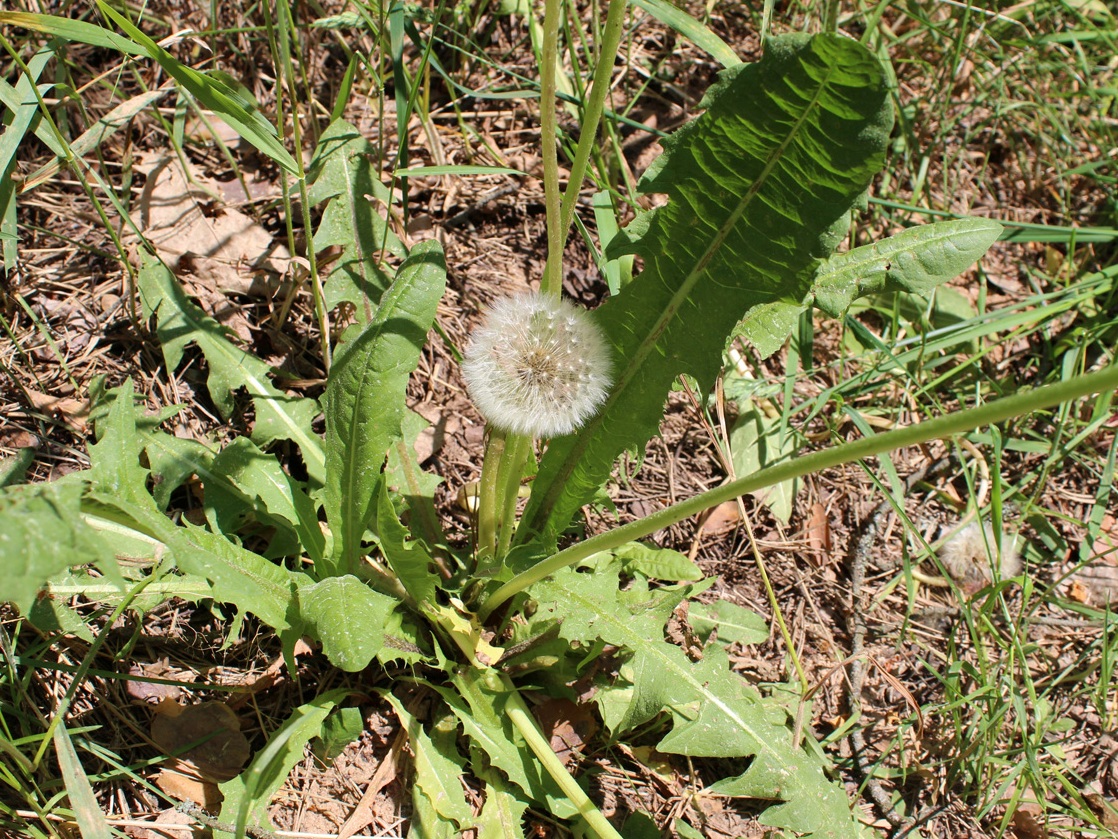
{"x":271,"y":492}
{"x":716,"y":713}
{"x":118,"y":484}
{"x":438,"y":770}
{"x":364,"y":402}
{"x":761,"y":186}
{"x":344,"y":175}
{"x":180,"y":322}
{"x":409,"y":561}
{"x":484,"y":720}
{"x":348,"y":618}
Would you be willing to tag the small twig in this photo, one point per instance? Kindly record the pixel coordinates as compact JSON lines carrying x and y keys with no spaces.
{"x":200,"y":815}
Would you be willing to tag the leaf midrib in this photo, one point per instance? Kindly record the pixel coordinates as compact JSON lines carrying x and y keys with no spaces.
{"x":589,"y":431}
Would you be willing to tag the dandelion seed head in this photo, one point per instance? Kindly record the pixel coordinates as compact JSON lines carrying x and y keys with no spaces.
{"x":971,"y":554}
{"x":537,"y":366}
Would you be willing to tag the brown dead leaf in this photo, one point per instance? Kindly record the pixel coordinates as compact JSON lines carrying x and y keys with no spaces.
{"x":1105,"y":809}
{"x":186,"y":788}
{"x":206,"y":736}
{"x":722,"y":519}
{"x":221,"y":248}
{"x":1028,"y":821}
{"x":818,"y":531}
{"x":568,"y":726}
{"x":149,"y":691}
{"x":1078,"y":592}
{"x":73,"y":412}
{"x":167,"y":818}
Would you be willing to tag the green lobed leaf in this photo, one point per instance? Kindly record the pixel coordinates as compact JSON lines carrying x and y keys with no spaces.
{"x":277,"y":497}
{"x":348,"y":618}
{"x":409,"y":561}
{"x":343,"y":174}
{"x":248,"y":795}
{"x":404,"y":476}
{"x":715,"y":712}
{"x":342,"y":727}
{"x":915,"y":260}
{"x":502,"y":813}
{"x":41,"y":535}
{"x":118,"y":484}
{"x":479,"y":704}
{"x":438,"y":768}
{"x":364,"y":402}
{"x":657,"y":563}
{"x":181,"y":322}
{"x":733,"y":623}
{"x":742,"y":229}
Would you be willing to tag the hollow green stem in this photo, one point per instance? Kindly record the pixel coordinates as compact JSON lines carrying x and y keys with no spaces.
{"x":1103,"y":381}
{"x":520,"y":717}
{"x":552,"y":281}
{"x":487,"y":505}
{"x":591,"y":118}
{"x":511,"y":471}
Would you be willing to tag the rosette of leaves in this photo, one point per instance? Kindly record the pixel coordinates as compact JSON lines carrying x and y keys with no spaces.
{"x":760,"y":187}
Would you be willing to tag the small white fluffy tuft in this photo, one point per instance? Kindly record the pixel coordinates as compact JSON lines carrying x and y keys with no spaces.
{"x":537,"y":366}
{"x":967,"y":556}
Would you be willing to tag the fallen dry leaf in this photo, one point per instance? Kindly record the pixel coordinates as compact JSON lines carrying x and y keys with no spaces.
{"x":73,"y":412}
{"x":567,"y":725}
{"x":1028,"y":821}
{"x":1106,"y":809}
{"x":206,"y":737}
{"x":222,"y":249}
{"x":818,"y":531}
{"x":167,"y":818}
{"x":185,"y":788}
{"x":723,"y":518}
{"x":149,"y":691}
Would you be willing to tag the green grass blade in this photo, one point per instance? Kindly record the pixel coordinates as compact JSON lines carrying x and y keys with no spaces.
{"x":214,"y":93}
{"x":72,"y":30}
{"x":691,"y":29}
{"x":87,"y":812}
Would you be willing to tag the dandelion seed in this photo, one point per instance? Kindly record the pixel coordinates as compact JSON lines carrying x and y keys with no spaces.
{"x":966,"y":556}
{"x":537,"y":366}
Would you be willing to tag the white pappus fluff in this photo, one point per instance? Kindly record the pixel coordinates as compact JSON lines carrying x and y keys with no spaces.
{"x":537,"y":366}
{"x":967,"y":554}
